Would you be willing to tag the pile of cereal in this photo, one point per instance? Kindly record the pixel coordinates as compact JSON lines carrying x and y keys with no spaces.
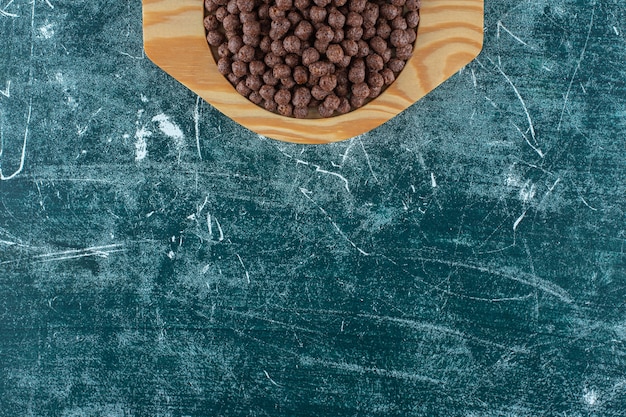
{"x":301,"y":57}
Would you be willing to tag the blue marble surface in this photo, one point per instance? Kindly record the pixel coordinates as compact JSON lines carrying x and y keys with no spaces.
{"x":464,"y":259}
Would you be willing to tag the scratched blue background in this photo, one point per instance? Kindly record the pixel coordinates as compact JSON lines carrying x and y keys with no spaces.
{"x":464,"y":259}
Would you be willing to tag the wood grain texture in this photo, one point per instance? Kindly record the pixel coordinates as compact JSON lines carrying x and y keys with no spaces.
{"x":450,"y":35}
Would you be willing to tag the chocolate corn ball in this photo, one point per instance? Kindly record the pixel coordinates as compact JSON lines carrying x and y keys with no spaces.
{"x":284,"y":5}
{"x":404,"y":52}
{"x":301,"y":112}
{"x":350,"y":47}
{"x":412,"y":19}
{"x":356,"y":102}
{"x":389,"y":11}
{"x":287,"y":82}
{"x":256,"y":67}
{"x":292,"y":60}
{"x":267,"y":92}
{"x":318,"y":92}
{"x":232,"y":8}
{"x":246,"y":53}
{"x":399,"y":38}
{"x":336,"y":19}
{"x":243,"y":89}
{"x":388,"y":76}
{"x":300,"y":74}
{"x":282,"y":96}
{"x":279,"y":27}
{"x":245,"y":5}
{"x":399,"y":23}
{"x":254,"y":82}
{"x":370,"y":14}
{"x":304,"y":30}
{"x":334,"y":53}
{"x":374,"y":92}
{"x":375,"y":80}
{"x":214,"y":37}
{"x":270,"y":105}
{"x":292,"y":44}
{"x":413,"y":4}
{"x":239,"y":68}
{"x":301,"y":97}
{"x":309,"y":56}
{"x":344,"y":106}
{"x":360,"y":90}
{"x":374,"y":62}
{"x":317,"y":14}
{"x":320,"y":68}
{"x":281,"y":71}
{"x":302,"y":4}
{"x":255,"y":97}
{"x":224,"y":66}
{"x":269,"y":79}
{"x":396,"y":65}
{"x":354,"y":19}
{"x":247,"y":17}
{"x":325,"y":111}
{"x":328,"y":82}
{"x":211,"y":23}
{"x":357,"y":5}
{"x":332,"y":102}
{"x":285,"y":109}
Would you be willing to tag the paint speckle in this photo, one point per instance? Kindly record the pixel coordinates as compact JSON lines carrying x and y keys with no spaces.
{"x":170,"y":129}
{"x":590,"y":397}
{"x":46,"y":31}
{"x":141,"y":146}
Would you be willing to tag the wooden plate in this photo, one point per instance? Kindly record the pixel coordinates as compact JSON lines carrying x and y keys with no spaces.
{"x":450,"y":35}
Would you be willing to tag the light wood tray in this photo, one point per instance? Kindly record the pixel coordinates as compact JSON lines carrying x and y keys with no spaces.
{"x":450,"y":35}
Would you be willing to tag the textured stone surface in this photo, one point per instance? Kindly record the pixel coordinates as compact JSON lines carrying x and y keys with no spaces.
{"x":464,"y":259}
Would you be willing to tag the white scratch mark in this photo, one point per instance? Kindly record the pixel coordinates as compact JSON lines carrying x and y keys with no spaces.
{"x":433,"y":181}
{"x":539,"y":152}
{"x":82,"y":130}
{"x":587,"y":204}
{"x":615,"y":30}
{"x":438,"y":330}
{"x":244,"y":268}
{"x":359,"y":369}
{"x":519,"y":220}
{"x":306,"y":193}
{"x":521,"y":100}
{"x":23,"y":156}
{"x":3,"y":11}
{"x":7,"y":91}
{"x":219,"y":229}
{"x":341,"y":177}
{"x":474,"y":78}
{"x":582,"y":55}
{"x":345,"y":153}
{"x":501,"y":26}
{"x":196,"y":125}
{"x":270,"y":379}
{"x":100,"y":251}
{"x":49,"y":4}
{"x":367,"y":159}
{"x":208,"y":223}
{"x":531,"y":280}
